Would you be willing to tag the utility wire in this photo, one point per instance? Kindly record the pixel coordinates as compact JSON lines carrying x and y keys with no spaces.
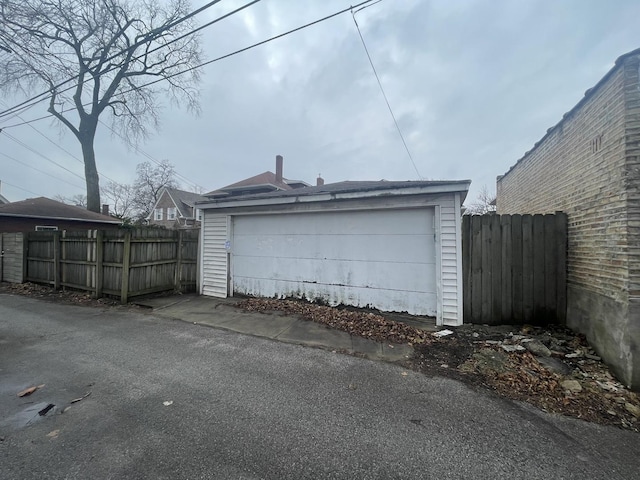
{"x":41,"y":155}
{"x":133,"y":59}
{"x":148,"y":155}
{"x":38,"y":170}
{"x":75,"y":157}
{"x":20,"y":188}
{"x":121,"y":52}
{"x":353,"y":14}
{"x":236,"y":52}
{"x":138,"y":149}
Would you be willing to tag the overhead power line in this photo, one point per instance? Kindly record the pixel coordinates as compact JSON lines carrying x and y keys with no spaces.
{"x":38,"y":170}
{"x":395,"y":121}
{"x":115,"y":55}
{"x":223,"y":57}
{"x":37,"y":98}
{"x":31,"y":149}
{"x":20,"y":188}
{"x":149,"y":156}
{"x":56,"y":144}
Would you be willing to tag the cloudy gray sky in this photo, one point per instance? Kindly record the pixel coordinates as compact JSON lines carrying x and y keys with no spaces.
{"x":473,"y":83}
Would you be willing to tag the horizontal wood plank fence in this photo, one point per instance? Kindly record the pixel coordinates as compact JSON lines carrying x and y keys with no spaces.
{"x":514,"y":269}
{"x":119,"y":263}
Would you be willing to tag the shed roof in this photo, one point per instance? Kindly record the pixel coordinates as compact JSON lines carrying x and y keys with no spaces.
{"x":43,"y":207}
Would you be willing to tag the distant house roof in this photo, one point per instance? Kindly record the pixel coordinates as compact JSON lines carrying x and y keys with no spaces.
{"x":345,"y":190}
{"x":46,"y":208}
{"x":264,"y":182}
{"x":184,"y":201}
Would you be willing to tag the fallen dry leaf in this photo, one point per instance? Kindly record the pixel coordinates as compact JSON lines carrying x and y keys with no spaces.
{"x":27,"y":391}
{"x":53,"y":434}
{"x":76,"y":400}
{"x":364,"y":324}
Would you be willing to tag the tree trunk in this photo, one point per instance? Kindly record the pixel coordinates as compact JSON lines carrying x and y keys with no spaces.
{"x":90,"y":170}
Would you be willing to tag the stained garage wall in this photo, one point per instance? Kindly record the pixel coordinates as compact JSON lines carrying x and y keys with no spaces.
{"x":220,"y":222}
{"x":382,"y":259}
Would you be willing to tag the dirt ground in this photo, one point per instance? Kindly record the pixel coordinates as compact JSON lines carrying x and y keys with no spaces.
{"x":552,"y":368}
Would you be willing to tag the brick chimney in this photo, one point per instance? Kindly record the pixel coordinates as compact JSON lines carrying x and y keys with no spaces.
{"x":105,"y":209}
{"x":279,"y":168}
{"x":319,"y":181}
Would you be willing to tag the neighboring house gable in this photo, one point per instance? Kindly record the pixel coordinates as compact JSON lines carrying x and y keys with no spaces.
{"x":588,"y":166}
{"x":3,"y":200}
{"x":46,"y":214}
{"x":175,"y":209}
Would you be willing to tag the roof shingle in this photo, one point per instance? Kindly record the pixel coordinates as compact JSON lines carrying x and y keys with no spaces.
{"x":43,"y":207}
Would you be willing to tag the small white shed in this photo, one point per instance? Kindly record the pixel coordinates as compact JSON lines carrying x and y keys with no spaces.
{"x":392,"y":246}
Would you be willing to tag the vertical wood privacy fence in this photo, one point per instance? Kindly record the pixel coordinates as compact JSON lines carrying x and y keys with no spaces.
{"x":514,"y":268}
{"x":120,"y":263}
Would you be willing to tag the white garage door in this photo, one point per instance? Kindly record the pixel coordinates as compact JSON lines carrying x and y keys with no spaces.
{"x":382,"y":259}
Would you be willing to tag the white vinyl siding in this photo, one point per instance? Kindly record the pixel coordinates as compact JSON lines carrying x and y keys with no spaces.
{"x":450,"y":261}
{"x":214,"y":255}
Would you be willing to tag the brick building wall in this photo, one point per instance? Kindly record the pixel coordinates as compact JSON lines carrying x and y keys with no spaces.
{"x":586,"y":167}
{"x":632,"y":187}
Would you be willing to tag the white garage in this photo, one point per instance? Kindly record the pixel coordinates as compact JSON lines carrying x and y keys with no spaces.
{"x":393,"y":246}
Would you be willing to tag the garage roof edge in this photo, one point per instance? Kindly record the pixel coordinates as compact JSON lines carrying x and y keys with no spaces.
{"x":341,"y":191}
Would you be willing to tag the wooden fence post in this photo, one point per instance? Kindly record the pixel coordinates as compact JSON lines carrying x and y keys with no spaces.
{"x":25,"y":255}
{"x":517,"y":274}
{"x":561,"y":248}
{"x":496,"y":270}
{"x":56,"y":260}
{"x":538,"y":270}
{"x":1,"y":257}
{"x":99,"y":259}
{"x":476,"y":267}
{"x":506,"y":312}
{"x":466,"y":268}
{"x":126,"y":262}
{"x":178,"y":273}
{"x":550,"y":267}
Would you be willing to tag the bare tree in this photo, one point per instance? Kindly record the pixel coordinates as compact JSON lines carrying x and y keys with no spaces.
{"x":485,"y":202}
{"x":111,"y":48}
{"x":78,"y":200}
{"x":121,"y":199}
{"x":149,"y":183}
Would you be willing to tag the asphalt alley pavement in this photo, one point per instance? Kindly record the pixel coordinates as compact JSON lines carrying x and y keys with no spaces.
{"x":171,"y":399}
